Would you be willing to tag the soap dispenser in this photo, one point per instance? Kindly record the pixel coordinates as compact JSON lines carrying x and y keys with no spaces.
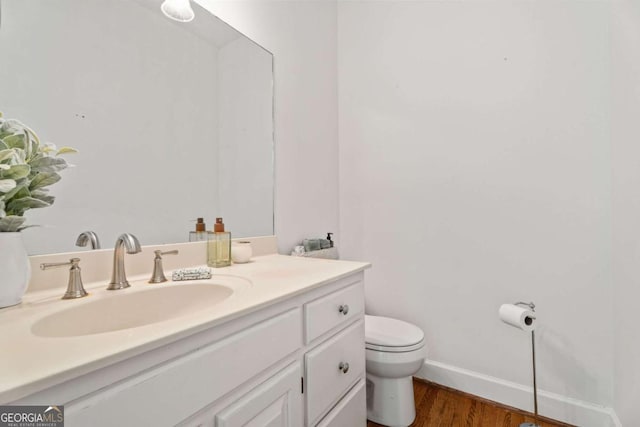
{"x":200,"y":234}
{"x":329,"y":239}
{"x":219,"y":246}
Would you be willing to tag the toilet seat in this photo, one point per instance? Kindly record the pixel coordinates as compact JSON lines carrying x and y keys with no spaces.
{"x":391,"y":335}
{"x":389,"y":349}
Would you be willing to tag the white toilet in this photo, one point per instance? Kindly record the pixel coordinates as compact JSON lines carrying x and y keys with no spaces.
{"x":395,"y":351}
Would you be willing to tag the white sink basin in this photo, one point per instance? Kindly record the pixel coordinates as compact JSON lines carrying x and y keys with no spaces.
{"x":131,"y":308}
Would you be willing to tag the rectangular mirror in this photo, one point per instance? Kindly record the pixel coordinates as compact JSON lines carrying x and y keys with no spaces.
{"x":173,"y":121}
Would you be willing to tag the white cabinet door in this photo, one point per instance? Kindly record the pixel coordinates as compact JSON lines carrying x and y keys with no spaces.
{"x":275,"y":403}
{"x":351,"y":411}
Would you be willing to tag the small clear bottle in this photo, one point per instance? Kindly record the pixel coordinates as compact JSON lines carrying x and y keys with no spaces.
{"x":200,"y":235}
{"x":218,"y":246}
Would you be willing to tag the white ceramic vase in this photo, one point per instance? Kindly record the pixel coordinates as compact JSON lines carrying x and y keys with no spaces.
{"x":15,"y":270}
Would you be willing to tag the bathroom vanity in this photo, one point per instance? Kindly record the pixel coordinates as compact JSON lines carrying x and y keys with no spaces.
{"x":275,"y":342}
{"x":283,"y":346}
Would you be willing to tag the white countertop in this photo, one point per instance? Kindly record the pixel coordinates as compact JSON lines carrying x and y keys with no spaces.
{"x":29,"y":363}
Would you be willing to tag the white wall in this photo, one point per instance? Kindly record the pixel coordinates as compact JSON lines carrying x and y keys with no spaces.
{"x":626,"y":207}
{"x":474,"y":166}
{"x":302,"y":37}
{"x":475,"y":170}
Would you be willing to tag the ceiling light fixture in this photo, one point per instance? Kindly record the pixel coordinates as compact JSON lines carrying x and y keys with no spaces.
{"x":178,"y":10}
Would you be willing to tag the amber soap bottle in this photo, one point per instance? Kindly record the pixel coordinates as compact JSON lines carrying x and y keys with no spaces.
{"x":200,"y":234}
{"x":218,"y":246}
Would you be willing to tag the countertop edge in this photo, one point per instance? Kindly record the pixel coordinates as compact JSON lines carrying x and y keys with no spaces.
{"x":19,"y":391}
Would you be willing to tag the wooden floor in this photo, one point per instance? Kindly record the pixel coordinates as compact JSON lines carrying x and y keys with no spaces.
{"x":438,"y":406}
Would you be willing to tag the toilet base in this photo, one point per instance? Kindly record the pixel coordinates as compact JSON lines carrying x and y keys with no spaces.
{"x":390,"y":401}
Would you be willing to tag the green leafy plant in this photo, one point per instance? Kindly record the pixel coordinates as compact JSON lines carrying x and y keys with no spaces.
{"x":27,"y":168}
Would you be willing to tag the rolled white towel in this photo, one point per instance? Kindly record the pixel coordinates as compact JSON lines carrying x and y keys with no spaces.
{"x":191,"y":274}
{"x":330,"y":253}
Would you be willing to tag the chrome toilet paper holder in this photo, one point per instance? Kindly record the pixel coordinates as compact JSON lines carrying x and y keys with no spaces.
{"x":532,"y":307}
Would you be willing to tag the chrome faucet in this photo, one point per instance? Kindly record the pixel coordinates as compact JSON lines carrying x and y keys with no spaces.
{"x":119,"y":278}
{"x":88,"y":237}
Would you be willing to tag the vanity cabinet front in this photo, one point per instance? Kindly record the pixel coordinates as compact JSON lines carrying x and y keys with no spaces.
{"x":275,"y":403}
{"x":351,"y":410}
{"x":334,"y":310}
{"x":172,"y":391}
{"x":333,"y":367}
{"x":297,"y":362}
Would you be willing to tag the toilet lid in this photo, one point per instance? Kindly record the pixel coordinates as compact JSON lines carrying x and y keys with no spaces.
{"x":391,"y":333}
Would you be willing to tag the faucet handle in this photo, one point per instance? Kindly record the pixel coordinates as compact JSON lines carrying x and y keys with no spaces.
{"x":158,"y":272}
{"x":75,"y":288}
{"x":159,"y":253}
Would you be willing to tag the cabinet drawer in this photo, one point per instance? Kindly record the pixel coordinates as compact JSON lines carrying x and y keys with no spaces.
{"x":171,"y":392}
{"x":328,"y":377}
{"x":351,"y":411}
{"x":332,"y":310}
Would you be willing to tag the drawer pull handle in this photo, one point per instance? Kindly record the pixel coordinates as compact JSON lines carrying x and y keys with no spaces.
{"x":344,"y":367}
{"x":344,"y":309}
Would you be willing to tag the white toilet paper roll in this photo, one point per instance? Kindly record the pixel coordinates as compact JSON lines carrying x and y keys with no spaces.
{"x":518,"y":317}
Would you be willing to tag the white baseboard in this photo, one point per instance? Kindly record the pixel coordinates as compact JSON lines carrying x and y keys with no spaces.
{"x":551,"y":405}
